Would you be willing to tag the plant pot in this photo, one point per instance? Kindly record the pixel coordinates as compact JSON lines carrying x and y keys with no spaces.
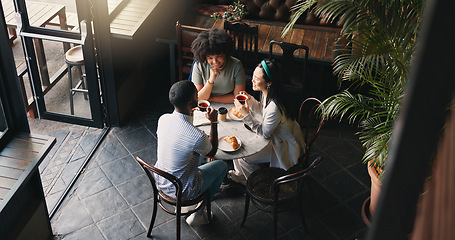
{"x":234,"y":21}
{"x":375,"y":188}
{"x":366,"y":214}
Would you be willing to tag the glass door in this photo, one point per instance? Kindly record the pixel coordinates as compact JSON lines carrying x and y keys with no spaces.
{"x":59,"y":49}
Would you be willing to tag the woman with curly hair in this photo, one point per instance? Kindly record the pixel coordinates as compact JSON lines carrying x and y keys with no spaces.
{"x":216,"y":74}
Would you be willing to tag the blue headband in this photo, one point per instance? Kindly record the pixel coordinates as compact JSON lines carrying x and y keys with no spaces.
{"x":266,"y":69}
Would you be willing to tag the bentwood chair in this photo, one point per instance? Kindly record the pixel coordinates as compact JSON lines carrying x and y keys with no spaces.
{"x":293,"y":61}
{"x":277,"y":188}
{"x":175,"y":202}
{"x":312,"y":123}
{"x":185,"y":37}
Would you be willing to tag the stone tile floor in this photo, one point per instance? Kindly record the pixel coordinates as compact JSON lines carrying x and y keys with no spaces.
{"x":112,"y":197}
{"x":73,"y":146}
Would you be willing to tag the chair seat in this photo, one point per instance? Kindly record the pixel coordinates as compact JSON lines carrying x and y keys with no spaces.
{"x":260,"y":185}
{"x":74,"y":55}
{"x":189,"y":202}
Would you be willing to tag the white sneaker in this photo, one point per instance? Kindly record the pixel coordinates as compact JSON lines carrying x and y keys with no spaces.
{"x":236,"y":178}
{"x":191,"y":207}
{"x":198,"y":218}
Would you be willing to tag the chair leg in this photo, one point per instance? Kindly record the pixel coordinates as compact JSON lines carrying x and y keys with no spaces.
{"x":178,"y":215}
{"x":308,"y":182}
{"x":152,"y":221}
{"x":302,"y":217}
{"x":209,"y":209}
{"x":247,"y":205}
{"x":275,"y":220}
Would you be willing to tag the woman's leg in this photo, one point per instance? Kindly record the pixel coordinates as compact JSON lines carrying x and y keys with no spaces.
{"x":246,"y":166}
{"x":213,"y":174}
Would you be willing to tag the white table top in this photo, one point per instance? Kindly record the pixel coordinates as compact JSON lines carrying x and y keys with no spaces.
{"x":251,"y":142}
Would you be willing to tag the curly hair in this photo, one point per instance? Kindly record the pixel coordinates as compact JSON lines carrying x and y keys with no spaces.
{"x":212,"y":42}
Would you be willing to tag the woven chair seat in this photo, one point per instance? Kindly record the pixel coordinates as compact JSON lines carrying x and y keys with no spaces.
{"x":168,"y":199}
{"x":260,"y":185}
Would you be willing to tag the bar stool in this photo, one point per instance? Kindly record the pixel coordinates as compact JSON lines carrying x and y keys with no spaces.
{"x":75,"y":58}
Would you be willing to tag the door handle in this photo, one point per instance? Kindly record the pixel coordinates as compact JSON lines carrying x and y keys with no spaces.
{"x":23,"y":33}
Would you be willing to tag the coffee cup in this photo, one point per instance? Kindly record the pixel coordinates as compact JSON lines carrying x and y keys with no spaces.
{"x":222,"y":111}
{"x":203,"y":105}
{"x":242,"y":98}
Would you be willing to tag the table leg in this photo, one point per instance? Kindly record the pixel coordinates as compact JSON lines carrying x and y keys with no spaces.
{"x":12,"y":34}
{"x":63,"y":26}
{"x":42,"y":64}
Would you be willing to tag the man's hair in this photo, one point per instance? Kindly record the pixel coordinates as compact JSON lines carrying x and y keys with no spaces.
{"x":212,"y":42}
{"x":181,"y":93}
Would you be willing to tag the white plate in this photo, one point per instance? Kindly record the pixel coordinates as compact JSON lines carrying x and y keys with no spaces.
{"x":232,"y":116}
{"x":225,"y":146}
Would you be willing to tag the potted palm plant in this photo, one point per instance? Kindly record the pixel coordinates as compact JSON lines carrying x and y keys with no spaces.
{"x":234,"y":12}
{"x":380,"y":39}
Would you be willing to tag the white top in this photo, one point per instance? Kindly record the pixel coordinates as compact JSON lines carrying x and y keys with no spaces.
{"x":180,"y":145}
{"x":286,"y":135}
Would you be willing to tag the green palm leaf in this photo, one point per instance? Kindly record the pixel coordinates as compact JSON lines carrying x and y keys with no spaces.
{"x":381,"y":38}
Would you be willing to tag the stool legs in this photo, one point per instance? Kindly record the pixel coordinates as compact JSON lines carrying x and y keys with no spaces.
{"x":80,"y":86}
{"x":70,"y":87}
{"x":82,"y":81}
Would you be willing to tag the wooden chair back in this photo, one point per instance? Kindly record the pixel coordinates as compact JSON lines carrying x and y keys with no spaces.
{"x":293,"y":69}
{"x":277,"y":188}
{"x":185,"y":37}
{"x":312,"y":123}
{"x":246,"y":43}
{"x":176,"y":200}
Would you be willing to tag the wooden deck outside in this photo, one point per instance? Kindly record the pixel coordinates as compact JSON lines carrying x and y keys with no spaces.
{"x":40,"y":14}
{"x":128,"y":16}
{"x":320,"y":40}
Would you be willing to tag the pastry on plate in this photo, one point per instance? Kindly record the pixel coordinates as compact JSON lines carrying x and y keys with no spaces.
{"x":232,"y":141}
{"x":236,"y":112}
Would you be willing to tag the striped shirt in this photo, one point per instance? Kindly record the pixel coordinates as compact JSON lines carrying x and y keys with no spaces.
{"x":180,"y":145}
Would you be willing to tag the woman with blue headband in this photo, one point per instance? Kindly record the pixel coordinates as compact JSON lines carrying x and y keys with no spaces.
{"x":272,"y":119}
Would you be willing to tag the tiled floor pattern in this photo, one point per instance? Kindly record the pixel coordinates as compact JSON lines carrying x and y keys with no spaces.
{"x":65,"y":159}
{"x":112,"y":198}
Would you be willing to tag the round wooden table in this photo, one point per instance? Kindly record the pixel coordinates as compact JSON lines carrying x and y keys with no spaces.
{"x":251,"y":142}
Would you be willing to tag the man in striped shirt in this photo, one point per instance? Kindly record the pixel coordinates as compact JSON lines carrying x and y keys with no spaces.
{"x":181,"y":147}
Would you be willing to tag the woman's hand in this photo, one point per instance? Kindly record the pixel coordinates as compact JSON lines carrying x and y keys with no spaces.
{"x":245,"y":93}
{"x":243,"y":109}
{"x":214,"y":72}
